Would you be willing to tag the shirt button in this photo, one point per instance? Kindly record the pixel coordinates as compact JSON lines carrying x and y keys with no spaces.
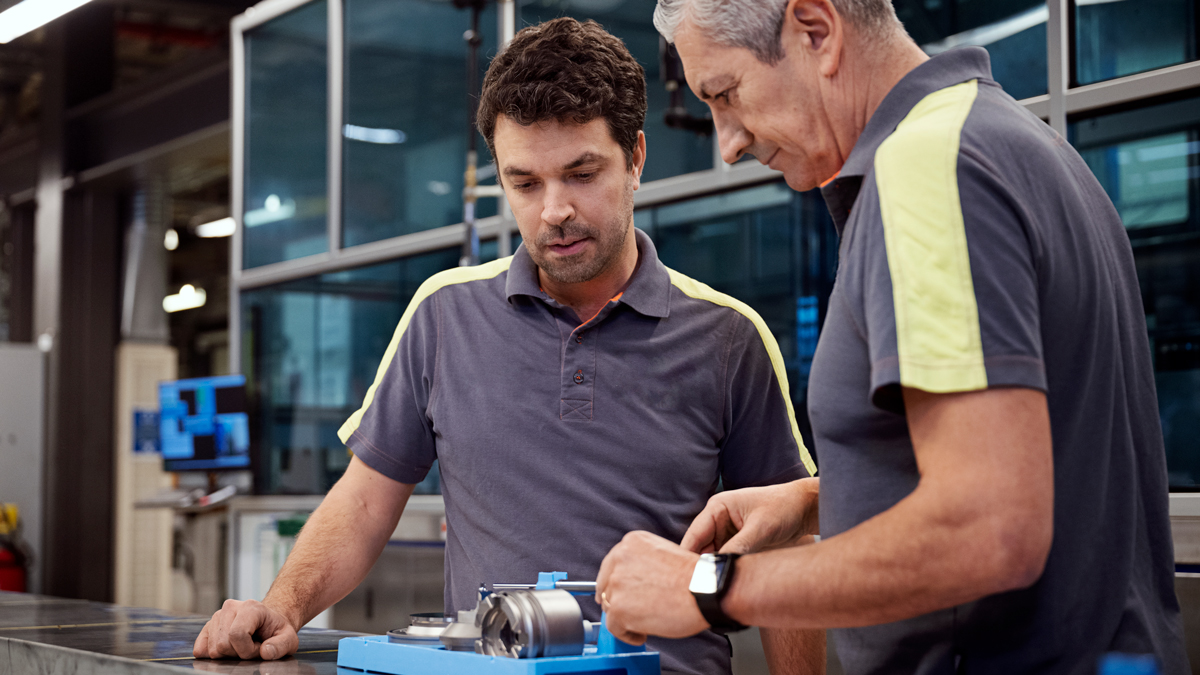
{"x":578,"y":377}
{"x":579,"y":339}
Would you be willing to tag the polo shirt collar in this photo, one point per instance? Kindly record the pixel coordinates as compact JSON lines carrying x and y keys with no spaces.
{"x":944,"y":70}
{"x":648,"y":292}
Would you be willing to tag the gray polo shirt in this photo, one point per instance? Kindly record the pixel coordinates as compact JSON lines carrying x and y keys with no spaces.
{"x":554,"y":439}
{"x":978,"y":250}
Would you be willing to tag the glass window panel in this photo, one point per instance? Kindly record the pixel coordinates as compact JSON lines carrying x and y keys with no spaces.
{"x":1013,"y":32}
{"x":770,"y":247}
{"x":405,"y":139}
{"x":313,"y":347}
{"x":1148,"y":160}
{"x":286,"y":137}
{"x":669,"y":152}
{"x":1114,"y":38}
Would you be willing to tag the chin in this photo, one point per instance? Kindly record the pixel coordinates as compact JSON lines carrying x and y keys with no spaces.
{"x":799,"y":182}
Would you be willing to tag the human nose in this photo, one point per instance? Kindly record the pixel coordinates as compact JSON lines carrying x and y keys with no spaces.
{"x":732,"y":137}
{"x":557,"y":208}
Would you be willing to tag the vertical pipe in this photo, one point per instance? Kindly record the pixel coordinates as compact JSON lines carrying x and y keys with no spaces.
{"x":237,"y":185}
{"x":470,"y":252}
{"x":506,"y":18}
{"x":1058,"y":61}
{"x":336,"y":96}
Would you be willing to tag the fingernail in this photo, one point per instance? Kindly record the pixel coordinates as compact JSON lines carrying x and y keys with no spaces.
{"x":268,"y":652}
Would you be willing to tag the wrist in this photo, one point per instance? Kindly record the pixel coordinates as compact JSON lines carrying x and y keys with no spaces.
{"x":711,"y":579}
{"x":290,"y":614}
{"x":809,"y":498}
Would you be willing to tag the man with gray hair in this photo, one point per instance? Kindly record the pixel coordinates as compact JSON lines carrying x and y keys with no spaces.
{"x":993,"y":490}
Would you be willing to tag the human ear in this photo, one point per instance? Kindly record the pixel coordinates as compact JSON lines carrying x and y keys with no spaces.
{"x":639,"y":159}
{"x":815,"y":27}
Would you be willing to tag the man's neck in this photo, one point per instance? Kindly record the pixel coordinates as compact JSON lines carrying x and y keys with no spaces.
{"x":587,"y":298}
{"x":884,"y":68}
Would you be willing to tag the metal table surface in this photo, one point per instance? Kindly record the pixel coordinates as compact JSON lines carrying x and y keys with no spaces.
{"x":42,"y":634}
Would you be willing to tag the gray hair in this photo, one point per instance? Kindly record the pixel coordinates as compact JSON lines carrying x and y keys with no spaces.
{"x":757,"y":24}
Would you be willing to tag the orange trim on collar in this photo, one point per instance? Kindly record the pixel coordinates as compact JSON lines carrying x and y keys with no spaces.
{"x":831,"y":179}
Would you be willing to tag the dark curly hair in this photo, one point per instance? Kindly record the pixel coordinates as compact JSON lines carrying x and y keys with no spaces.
{"x":565,"y":70}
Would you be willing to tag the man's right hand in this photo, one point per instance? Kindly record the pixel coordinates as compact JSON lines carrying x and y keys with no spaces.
{"x":247,"y":630}
{"x":756,"y":519}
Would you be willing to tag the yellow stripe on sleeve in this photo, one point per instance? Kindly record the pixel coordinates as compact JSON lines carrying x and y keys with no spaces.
{"x":458,"y":275}
{"x":937,"y":320}
{"x":694,"y":289}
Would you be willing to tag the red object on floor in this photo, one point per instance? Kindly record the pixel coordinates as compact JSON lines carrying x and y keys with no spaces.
{"x":12,"y":575}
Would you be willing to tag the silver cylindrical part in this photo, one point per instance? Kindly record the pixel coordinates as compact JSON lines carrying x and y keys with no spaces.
{"x":530,"y":624}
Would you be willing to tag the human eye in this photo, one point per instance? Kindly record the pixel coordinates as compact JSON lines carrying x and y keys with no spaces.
{"x":724,"y":95}
{"x":585,"y":176}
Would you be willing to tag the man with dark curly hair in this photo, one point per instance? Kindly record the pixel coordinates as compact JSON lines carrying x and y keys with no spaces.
{"x":571,"y":393}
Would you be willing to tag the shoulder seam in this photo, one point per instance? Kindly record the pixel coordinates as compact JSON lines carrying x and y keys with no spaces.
{"x":433,"y":284}
{"x":701,"y":291}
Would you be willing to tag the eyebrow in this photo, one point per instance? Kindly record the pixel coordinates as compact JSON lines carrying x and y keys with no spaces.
{"x":713,"y":82}
{"x":588,"y":157}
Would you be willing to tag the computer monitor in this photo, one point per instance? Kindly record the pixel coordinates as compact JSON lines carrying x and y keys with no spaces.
{"x":204,"y":424}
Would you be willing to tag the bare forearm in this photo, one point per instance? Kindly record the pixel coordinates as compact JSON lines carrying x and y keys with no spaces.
{"x":981,"y":521}
{"x":335,"y":551}
{"x":791,"y":651}
{"x":907,"y":561}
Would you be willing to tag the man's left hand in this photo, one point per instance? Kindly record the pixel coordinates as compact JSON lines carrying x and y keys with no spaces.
{"x":643,"y":588}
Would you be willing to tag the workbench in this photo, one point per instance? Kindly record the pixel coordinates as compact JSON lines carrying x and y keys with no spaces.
{"x":41,"y":635}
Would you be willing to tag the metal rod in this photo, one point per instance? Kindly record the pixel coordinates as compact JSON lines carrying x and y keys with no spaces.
{"x":336,"y":97}
{"x":470,"y":251}
{"x":569,"y":586}
{"x":506,"y":17}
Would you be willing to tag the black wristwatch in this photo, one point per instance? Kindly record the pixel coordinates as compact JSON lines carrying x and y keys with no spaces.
{"x":710,"y":581}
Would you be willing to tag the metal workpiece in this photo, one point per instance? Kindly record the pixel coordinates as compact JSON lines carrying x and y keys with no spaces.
{"x":424,"y":629}
{"x":530,"y":624}
{"x":461,"y":635}
{"x":575,"y":587}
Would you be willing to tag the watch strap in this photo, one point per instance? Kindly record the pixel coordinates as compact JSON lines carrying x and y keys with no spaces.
{"x":710,"y":603}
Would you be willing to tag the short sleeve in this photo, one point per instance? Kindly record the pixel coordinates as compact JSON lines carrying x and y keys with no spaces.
{"x":392,"y":432}
{"x":950,"y":291}
{"x":762,"y":445}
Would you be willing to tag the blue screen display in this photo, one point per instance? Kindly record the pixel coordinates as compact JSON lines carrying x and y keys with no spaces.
{"x":203,"y":424}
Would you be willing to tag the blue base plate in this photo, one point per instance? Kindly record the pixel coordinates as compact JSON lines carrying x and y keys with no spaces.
{"x":374,"y":654}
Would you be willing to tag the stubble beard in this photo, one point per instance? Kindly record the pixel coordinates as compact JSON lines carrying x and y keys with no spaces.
{"x":609,"y":242}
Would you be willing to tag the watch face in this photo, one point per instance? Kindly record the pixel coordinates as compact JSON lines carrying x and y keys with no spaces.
{"x":706,"y":575}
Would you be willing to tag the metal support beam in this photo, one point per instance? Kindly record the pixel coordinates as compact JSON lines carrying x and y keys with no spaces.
{"x":506,"y":18}
{"x":336,"y":94}
{"x":1058,"y":58}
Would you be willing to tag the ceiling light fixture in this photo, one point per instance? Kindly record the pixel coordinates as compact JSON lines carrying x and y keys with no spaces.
{"x":171,"y":240}
{"x":372,"y":135}
{"x":217,"y":228}
{"x":32,"y":14}
{"x":188,"y":297}
{"x":274,"y":210}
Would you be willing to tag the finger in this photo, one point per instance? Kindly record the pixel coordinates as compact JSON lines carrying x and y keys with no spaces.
{"x":703,"y":530}
{"x":635,"y":638}
{"x":606,"y":569}
{"x":749,"y":539}
{"x":200,"y":649}
{"x":619,"y":631}
{"x":280,"y":645}
{"x":218,"y":633}
{"x":242,"y":630}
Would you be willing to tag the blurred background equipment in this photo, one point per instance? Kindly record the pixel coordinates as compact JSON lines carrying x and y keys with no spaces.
{"x":14,"y":552}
